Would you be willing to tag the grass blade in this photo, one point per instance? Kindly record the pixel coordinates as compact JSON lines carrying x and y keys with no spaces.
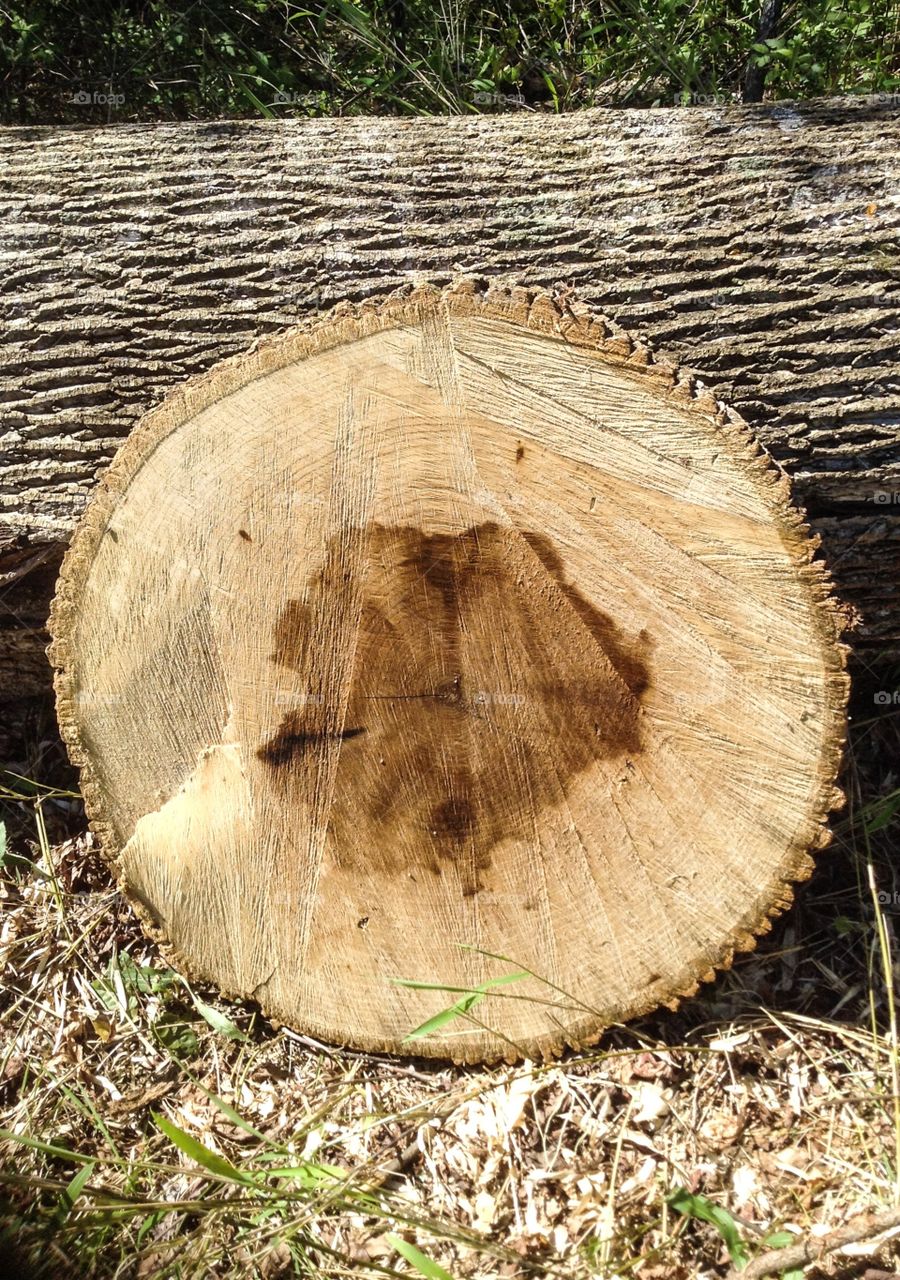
{"x":200,"y":1154}
{"x":234,"y":1116}
{"x":73,"y":1191}
{"x":419,"y":1260}
{"x":461,"y":1008}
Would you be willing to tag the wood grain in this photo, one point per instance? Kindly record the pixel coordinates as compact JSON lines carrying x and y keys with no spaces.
{"x":452,"y":625}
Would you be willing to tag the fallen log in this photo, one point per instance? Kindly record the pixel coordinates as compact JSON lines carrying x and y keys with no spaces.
{"x":756,"y":245}
{"x":447,"y":629}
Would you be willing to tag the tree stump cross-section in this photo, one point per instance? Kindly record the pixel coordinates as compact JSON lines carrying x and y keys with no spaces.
{"x":444,"y":629}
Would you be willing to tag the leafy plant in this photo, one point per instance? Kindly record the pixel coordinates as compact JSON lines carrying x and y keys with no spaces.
{"x":120,"y":990}
{"x":704,"y":1210}
{"x":220,"y":59}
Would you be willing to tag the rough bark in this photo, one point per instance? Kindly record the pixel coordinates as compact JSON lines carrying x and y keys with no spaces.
{"x":755,"y":245}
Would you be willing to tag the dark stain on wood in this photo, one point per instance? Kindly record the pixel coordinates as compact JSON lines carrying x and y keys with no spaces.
{"x":291,"y":740}
{"x":291,"y":632}
{"x":245,"y":535}
{"x":631,"y":668}
{"x":486,"y":681}
{"x":453,"y":820}
{"x":520,"y":453}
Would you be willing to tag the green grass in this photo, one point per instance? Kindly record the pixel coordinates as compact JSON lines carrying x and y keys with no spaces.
{"x":215,"y":59}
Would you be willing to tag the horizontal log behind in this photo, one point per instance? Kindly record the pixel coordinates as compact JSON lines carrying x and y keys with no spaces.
{"x":759,"y":246}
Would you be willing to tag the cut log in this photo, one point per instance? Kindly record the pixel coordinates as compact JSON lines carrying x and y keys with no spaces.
{"x":453,"y":626}
{"x":757,"y":246}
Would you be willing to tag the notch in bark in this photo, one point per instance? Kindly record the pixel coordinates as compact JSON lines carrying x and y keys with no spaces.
{"x":463,"y":617}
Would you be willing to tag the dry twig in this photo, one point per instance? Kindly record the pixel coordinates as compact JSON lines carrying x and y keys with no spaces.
{"x":812,"y":1249}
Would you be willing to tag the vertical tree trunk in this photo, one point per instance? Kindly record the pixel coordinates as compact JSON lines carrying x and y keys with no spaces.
{"x":755,"y":75}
